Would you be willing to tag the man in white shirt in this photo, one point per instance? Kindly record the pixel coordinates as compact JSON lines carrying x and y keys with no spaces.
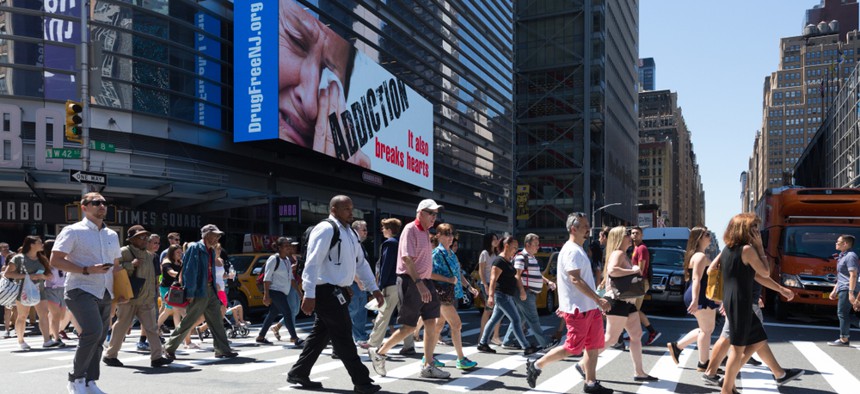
{"x":277,"y":282}
{"x":329,"y":271}
{"x":579,"y":306}
{"x":88,"y":252}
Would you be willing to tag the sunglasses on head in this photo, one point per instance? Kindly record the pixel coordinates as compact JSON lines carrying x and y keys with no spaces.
{"x":96,"y":203}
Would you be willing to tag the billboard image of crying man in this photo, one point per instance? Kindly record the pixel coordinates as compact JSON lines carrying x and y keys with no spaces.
{"x":309,"y":86}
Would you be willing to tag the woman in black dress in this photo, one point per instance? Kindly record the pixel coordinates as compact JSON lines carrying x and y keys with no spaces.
{"x":741,"y":265}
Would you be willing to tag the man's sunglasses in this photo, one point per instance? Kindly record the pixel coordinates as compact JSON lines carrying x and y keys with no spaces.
{"x":96,"y":203}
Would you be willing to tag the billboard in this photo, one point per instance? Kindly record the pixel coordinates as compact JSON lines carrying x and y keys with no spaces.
{"x":310,"y":87}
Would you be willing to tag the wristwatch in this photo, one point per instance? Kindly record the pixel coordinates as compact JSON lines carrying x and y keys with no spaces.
{"x":86,"y":272}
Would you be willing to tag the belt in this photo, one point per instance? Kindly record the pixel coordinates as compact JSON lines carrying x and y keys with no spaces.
{"x":331,"y":286}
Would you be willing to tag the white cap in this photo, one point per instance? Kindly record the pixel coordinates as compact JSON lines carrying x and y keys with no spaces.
{"x":428,"y":204}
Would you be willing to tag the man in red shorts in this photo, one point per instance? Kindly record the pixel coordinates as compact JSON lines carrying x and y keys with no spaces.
{"x":579,"y":306}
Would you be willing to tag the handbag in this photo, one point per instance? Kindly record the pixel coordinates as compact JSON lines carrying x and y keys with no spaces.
{"x":629,"y":286}
{"x":714,"y":289}
{"x":29,"y":291}
{"x":445,"y":290}
{"x":9,"y":290}
{"x":122,"y":286}
{"x":175,"y":296}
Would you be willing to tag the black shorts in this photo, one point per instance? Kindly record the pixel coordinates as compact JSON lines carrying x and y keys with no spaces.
{"x":411,"y":306}
{"x":620,"y":308}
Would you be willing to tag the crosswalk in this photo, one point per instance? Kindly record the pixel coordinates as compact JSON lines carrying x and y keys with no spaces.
{"x":828,"y":368}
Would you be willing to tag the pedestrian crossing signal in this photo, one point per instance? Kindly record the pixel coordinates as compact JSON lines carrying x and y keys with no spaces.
{"x":74,"y":121}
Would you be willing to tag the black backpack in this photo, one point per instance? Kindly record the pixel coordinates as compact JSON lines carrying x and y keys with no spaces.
{"x":335,"y":238}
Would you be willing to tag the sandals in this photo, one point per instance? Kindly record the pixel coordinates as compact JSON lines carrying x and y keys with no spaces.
{"x":276,"y":332}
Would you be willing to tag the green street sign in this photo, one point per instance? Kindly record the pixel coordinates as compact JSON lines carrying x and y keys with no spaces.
{"x":102,"y":146}
{"x":58,"y":153}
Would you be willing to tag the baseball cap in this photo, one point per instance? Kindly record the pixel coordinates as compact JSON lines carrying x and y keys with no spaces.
{"x":428,"y":204}
{"x":135,"y":230}
{"x":210,"y":228}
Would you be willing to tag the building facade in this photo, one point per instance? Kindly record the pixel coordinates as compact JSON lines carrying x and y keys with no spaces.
{"x":832,"y":158}
{"x":576,"y":134}
{"x":795,"y":97}
{"x":162,"y":99}
{"x":668,"y":172}
{"x":647,"y":74}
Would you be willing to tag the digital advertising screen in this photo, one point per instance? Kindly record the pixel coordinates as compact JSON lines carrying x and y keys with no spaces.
{"x":298,"y":81}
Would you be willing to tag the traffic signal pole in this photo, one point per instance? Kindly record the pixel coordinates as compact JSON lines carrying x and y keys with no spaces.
{"x":85,"y":92}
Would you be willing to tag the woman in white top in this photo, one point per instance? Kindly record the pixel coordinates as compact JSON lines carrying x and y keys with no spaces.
{"x":485,"y":264}
{"x":33,"y":262}
{"x":623,"y":313}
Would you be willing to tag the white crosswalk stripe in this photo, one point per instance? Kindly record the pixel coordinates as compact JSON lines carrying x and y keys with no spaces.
{"x":569,"y":378}
{"x":668,"y":373}
{"x":836,"y":375}
{"x":485,"y":374}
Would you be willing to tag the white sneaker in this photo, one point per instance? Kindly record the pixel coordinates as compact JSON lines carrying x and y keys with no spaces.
{"x":77,"y":386}
{"x":24,"y":345}
{"x":50,"y":343}
{"x":377,"y":360}
{"x":92,"y":388}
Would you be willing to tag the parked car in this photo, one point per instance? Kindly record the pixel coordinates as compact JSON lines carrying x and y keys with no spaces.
{"x":666,"y":237}
{"x":667,"y":283}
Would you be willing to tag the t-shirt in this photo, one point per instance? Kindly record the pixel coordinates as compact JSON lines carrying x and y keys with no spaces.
{"x":847,"y":262}
{"x":642,"y":258}
{"x":166,"y":279}
{"x":281,"y":277}
{"x":486,"y":257}
{"x":570,"y":300}
{"x":33,"y":266}
{"x":415,"y":243}
{"x":531,"y":276}
{"x":507,"y":281}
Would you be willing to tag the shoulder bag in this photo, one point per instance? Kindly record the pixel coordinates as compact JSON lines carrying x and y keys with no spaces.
{"x":175,"y":296}
{"x":714,"y":290}
{"x":445,"y":290}
{"x":629,"y":286}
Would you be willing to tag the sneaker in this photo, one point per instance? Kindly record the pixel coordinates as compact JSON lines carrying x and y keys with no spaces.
{"x":445,"y":342}
{"x":143,"y":346}
{"x":790,"y":374}
{"x":164,"y":329}
{"x":464,"y":363}
{"x":77,"y":386}
{"x":24,"y":345}
{"x":619,"y":346}
{"x":112,"y":361}
{"x":712,"y":380}
{"x":63,"y":335}
{"x":407,"y":351}
{"x":51,"y":343}
{"x":646,"y":378}
{"x":299,"y":343}
{"x":432,"y":372}
{"x":92,"y":388}
{"x":579,"y":369}
{"x":484,"y":348}
{"x":512,"y":346}
{"x":377,"y":360}
{"x":674,"y":351}
{"x":753,"y":362}
{"x":652,"y":336}
{"x":191,"y":346}
{"x":369,"y":388}
{"x":8,"y":335}
{"x":60,"y":344}
{"x":530,"y":350}
{"x":702,"y":366}
{"x":839,"y":343}
{"x":436,"y":362}
{"x":199,"y":333}
{"x":532,"y":373}
{"x":597,"y":388}
{"x":555,"y":342}
{"x":263,"y":341}
{"x":363,"y":344}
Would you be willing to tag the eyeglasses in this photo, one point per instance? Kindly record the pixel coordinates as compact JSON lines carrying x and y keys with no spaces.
{"x":96,"y":203}
{"x":141,"y":236}
{"x":429,"y":212}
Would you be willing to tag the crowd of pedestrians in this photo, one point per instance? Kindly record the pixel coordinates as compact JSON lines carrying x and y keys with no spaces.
{"x":417,"y":278}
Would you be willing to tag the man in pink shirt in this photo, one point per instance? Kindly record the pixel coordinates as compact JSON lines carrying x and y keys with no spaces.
{"x":417,"y":293}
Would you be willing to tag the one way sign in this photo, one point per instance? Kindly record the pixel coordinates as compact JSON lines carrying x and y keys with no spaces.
{"x":88,"y":177}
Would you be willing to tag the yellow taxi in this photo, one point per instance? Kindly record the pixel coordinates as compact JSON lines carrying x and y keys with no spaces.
{"x":244,"y":290}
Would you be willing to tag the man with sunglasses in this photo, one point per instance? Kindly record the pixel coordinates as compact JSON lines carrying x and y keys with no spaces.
{"x":88,"y":252}
{"x":417,"y":293}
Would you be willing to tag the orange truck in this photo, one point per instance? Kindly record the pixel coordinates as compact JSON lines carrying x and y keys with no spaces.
{"x":800,"y":227}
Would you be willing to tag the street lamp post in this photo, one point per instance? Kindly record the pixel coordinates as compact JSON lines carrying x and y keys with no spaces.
{"x":598,"y":210}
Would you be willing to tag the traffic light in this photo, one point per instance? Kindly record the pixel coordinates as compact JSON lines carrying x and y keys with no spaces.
{"x":74,"y":121}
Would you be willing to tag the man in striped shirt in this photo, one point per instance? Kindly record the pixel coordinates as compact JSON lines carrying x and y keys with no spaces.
{"x":528,"y":271}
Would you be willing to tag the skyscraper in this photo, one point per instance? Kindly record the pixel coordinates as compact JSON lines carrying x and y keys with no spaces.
{"x":647,"y":74}
{"x":576,"y":129}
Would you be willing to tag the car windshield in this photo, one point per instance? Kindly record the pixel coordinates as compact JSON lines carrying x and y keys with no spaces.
{"x":666,"y":243}
{"x":815,"y":241}
{"x":670,"y":258}
{"x":241,"y":263}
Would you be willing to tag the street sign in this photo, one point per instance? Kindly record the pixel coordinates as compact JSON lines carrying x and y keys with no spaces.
{"x":63,"y":153}
{"x":102,"y":146}
{"x":88,"y":177}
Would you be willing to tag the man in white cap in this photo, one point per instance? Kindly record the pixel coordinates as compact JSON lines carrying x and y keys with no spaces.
{"x":198,"y":278}
{"x":418,"y":294}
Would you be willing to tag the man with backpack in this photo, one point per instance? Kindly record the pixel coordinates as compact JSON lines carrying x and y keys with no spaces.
{"x":277,"y":279}
{"x":333,"y":260}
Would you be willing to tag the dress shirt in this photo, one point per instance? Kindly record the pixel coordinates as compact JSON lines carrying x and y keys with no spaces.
{"x":87,"y":245}
{"x":336,"y":266}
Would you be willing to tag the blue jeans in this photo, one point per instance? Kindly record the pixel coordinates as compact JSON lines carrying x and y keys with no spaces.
{"x":279,"y":307}
{"x":295,"y":303}
{"x":845,"y":313}
{"x":529,"y":314}
{"x":358,"y":314}
{"x":505,"y":306}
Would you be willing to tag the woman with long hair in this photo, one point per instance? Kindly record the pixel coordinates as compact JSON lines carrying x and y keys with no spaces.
{"x":622,"y":313}
{"x":446,"y":272}
{"x":485,"y":265}
{"x":502,"y":289}
{"x":741,"y":266}
{"x":170,"y":267}
{"x":32,"y":260}
{"x":696,"y":261}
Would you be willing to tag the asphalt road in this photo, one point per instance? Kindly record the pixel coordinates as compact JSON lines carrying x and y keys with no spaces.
{"x":262,"y":368}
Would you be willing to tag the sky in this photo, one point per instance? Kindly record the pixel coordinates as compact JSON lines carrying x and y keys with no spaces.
{"x":715,"y":55}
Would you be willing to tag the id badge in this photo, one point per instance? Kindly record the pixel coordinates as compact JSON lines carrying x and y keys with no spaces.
{"x":339,"y":295}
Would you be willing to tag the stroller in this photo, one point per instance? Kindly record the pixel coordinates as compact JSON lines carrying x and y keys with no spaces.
{"x":233,"y":329}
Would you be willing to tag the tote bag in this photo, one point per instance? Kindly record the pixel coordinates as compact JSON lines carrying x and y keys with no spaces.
{"x":714,"y":290}
{"x":122,"y":286}
{"x":29,"y":291}
{"x":9,"y":290}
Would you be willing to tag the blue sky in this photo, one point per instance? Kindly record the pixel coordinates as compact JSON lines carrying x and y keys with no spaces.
{"x":715,"y":55}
